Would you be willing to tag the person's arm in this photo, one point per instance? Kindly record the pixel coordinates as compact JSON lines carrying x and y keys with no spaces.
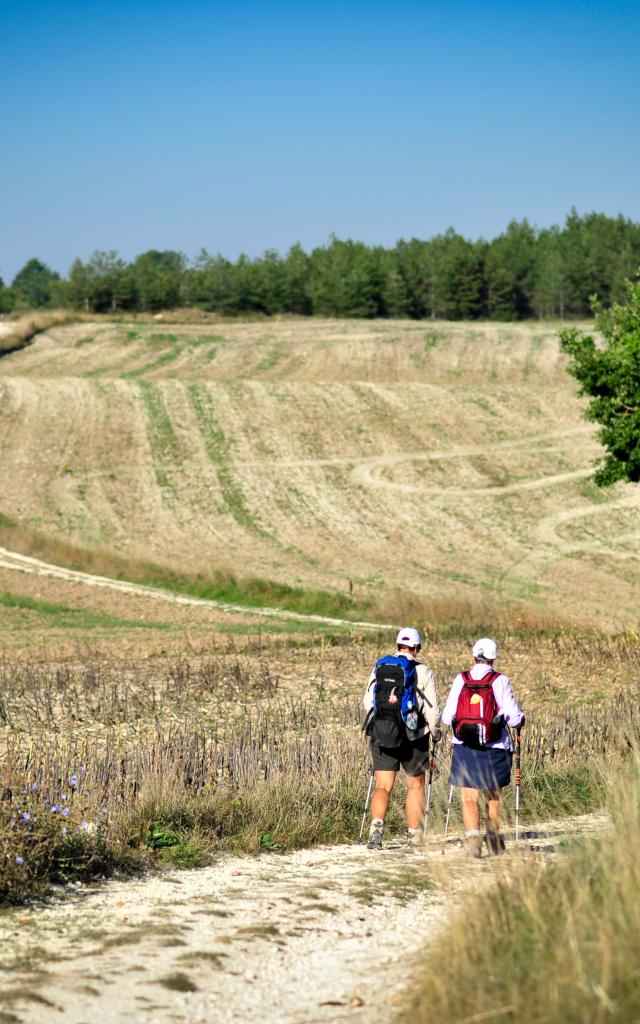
{"x":367,"y":700}
{"x":452,"y":701}
{"x":513,"y":715}
{"x":429,"y":699}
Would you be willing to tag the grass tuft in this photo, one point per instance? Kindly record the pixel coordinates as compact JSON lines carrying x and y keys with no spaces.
{"x":178,"y":982}
{"x":559,"y":944}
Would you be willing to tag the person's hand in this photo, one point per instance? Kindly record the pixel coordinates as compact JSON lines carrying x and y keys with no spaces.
{"x":499,"y":719}
{"x":520,"y":723}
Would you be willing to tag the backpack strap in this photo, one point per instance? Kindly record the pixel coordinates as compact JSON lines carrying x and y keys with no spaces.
{"x":367,"y":720}
{"x":486,"y":681}
{"x":424,"y":696}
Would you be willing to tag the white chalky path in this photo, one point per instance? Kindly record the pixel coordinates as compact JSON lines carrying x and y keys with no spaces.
{"x":313,"y":936}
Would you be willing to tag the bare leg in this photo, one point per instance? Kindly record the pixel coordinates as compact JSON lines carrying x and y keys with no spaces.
{"x":470,"y":808}
{"x":380,"y":800}
{"x":492,"y":796}
{"x":414,"y":805}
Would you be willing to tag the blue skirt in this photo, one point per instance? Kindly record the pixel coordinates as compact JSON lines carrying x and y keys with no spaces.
{"x":480,"y":769}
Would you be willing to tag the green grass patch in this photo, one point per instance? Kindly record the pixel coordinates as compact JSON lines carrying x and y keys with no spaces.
{"x":218,"y":449}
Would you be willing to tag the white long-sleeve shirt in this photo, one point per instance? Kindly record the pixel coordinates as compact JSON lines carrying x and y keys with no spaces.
{"x":427,"y":696}
{"x":505,"y":700}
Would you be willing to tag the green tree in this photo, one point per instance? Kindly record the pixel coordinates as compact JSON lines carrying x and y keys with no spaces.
{"x":549,"y":276}
{"x":510,"y":265}
{"x":610,"y":375}
{"x":7,"y":298}
{"x":296,"y":274}
{"x":103,"y":284}
{"x":157,"y":278}
{"x":345,"y":280}
{"x":454,"y":285}
{"x":37,"y":285}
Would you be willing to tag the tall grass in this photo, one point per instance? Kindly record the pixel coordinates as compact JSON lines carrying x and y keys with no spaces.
{"x":118,"y":765}
{"x":554,"y":944}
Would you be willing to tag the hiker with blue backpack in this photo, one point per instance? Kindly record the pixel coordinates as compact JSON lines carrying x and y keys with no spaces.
{"x":401,"y":715}
{"x":481,"y":709}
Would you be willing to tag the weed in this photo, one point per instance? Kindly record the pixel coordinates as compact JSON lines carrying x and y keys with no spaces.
{"x":178,"y":982}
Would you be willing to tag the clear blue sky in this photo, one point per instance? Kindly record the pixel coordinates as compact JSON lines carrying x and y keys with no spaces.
{"x":240,"y":125}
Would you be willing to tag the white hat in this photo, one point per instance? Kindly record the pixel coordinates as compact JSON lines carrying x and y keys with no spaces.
{"x":485,"y":648}
{"x":409,"y":637}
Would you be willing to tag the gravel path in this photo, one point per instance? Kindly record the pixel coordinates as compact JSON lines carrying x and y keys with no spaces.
{"x":280,"y":939}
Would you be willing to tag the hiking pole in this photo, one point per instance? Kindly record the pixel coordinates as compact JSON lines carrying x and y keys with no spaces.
{"x":446,"y":824}
{"x":366,"y":803}
{"x":432,"y":764}
{"x":518,"y":727}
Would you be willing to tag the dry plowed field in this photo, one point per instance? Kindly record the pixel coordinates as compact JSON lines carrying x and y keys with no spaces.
{"x":444,"y":461}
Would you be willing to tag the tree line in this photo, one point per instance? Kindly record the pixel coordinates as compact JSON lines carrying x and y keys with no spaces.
{"x":522,"y":273}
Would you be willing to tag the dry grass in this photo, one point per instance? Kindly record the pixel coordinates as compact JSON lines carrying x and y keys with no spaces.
{"x":560,"y":944}
{"x":118,"y":765}
{"x":22,"y":332}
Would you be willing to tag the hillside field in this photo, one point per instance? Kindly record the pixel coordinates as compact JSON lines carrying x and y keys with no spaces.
{"x":414,"y":468}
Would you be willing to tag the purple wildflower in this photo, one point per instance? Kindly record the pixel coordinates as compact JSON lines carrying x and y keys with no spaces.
{"x":64,"y":830}
{"x":65,"y":811}
{"x":19,"y":859}
{"x":73,"y":780}
{"x":25,"y":816}
{"x":85,"y":825}
{"x":34,"y":787}
{"x":54,"y":808}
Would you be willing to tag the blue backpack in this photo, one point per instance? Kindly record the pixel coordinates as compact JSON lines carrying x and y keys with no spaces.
{"x":394,"y":715}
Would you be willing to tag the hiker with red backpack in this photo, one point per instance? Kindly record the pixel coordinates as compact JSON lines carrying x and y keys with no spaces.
{"x":401,"y":715}
{"x":480,"y":709}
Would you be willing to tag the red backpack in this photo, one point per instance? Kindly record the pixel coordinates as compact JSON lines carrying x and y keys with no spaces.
{"x":475,"y":719}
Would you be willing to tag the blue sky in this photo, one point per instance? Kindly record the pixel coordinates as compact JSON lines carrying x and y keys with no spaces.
{"x":240,"y":126}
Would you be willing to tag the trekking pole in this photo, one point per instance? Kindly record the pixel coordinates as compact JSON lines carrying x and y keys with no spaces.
{"x":518,"y":783}
{"x":446,"y":824}
{"x":432,"y":764}
{"x":366,"y":804}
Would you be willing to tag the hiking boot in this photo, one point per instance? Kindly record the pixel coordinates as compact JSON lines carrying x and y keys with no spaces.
{"x":473,"y":845}
{"x":415,"y":838}
{"x":375,"y":835}
{"x":495,"y":843}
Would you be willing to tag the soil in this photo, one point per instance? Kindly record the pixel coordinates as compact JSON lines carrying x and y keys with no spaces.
{"x":323,"y":935}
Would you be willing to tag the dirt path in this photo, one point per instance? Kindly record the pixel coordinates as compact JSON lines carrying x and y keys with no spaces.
{"x":34,"y":566}
{"x":280,"y":939}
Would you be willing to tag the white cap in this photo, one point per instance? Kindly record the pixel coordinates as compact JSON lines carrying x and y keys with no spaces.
{"x":409,"y":637}
{"x":485,"y":648}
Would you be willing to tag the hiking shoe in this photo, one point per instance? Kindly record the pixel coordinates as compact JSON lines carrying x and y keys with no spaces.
{"x":495,"y":843}
{"x":375,"y":835}
{"x":473,"y":846}
{"x":415,"y":838}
